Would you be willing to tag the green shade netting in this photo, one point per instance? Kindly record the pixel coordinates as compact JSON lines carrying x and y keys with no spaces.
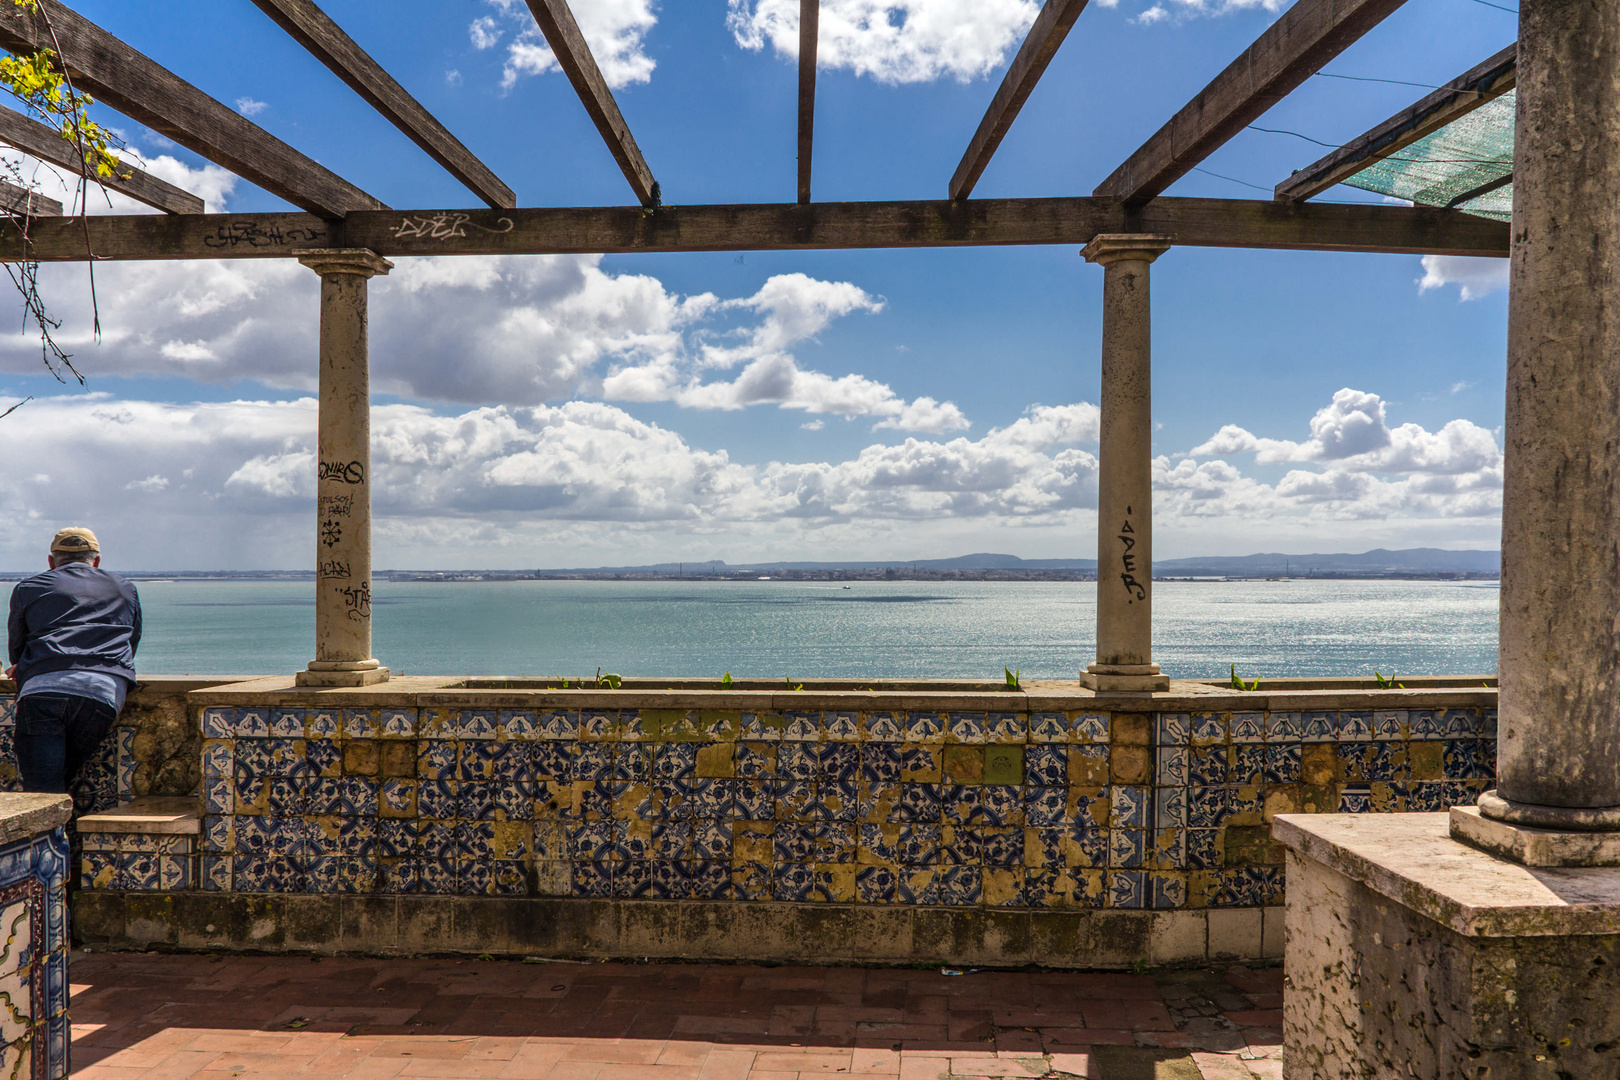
{"x":1440,"y":168}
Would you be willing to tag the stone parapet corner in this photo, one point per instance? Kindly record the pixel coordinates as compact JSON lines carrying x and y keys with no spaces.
{"x":149,"y":814}
{"x":1413,"y":860}
{"x":25,"y":815}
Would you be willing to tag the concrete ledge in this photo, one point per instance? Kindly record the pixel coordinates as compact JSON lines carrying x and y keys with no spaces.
{"x":25,"y":816}
{"x":1412,"y":859}
{"x":690,"y":930}
{"x":149,"y":814}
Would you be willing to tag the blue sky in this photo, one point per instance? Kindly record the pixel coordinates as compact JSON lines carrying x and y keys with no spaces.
{"x":870,"y":404}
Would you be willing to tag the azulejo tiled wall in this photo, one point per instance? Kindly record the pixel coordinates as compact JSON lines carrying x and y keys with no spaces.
{"x":1009,"y":810}
{"x":104,"y":782}
{"x":34,"y":1033}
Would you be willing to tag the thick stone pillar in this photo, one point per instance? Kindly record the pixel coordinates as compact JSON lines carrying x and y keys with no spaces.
{"x":1125,"y":474}
{"x":1558,"y":757}
{"x":343,"y":489}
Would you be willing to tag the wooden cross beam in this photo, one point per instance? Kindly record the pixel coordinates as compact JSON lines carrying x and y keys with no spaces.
{"x":809,"y":39}
{"x":16,"y":199}
{"x":119,"y":76}
{"x":1051,"y":27}
{"x":326,"y":41}
{"x":1485,"y":81}
{"x":1298,"y":45}
{"x":574,"y":56}
{"x":1241,"y":223}
{"x":47,"y":144}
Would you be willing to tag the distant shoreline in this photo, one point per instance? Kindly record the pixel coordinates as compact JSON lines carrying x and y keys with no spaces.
{"x":453,"y":576}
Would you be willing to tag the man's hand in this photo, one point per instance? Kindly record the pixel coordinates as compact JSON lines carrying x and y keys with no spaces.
{"x":11,"y":672}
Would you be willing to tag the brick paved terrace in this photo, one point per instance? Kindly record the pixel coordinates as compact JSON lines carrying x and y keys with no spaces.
{"x":196,"y":1017}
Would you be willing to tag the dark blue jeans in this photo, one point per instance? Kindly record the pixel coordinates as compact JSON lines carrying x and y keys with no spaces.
{"x":56,"y":735}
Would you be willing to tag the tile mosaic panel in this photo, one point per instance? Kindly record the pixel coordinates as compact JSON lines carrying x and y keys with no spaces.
{"x":34,"y":1033}
{"x":970,"y":809}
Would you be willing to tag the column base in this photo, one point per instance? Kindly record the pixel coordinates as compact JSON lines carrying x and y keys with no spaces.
{"x":1530,"y":846}
{"x":1124,"y":678}
{"x":370,"y":676}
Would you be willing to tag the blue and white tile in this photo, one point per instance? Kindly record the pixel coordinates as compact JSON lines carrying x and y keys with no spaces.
{"x":1318,"y":727}
{"x":1046,"y":766}
{"x":286,"y":722}
{"x":1171,"y":729}
{"x":218,"y":759}
{"x":1208,"y":729}
{"x":1355,"y":726}
{"x":1049,"y":728}
{"x":558,"y":724}
{"x":1130,"y":806}
{"x":218,"y":722}
{"x":252,"y":722}
{"x":1171,"y":766}
{"x":965,"y":727}
{"x":1284,"y":727}
{"x":399,"y":723}
{"x":882,"y":727}
{"x":1170,"y":808}
{"x":842,"y":726}
{"x":1092,"y":728}
{"x":802,"y":727}
{"x":1127,"y":848}
{"x":1006,"y":729}
{"x":1248,"y":727}
{"x":1127,"y":888}
{"x":1389,"y":725}
{"x":478,"y":724}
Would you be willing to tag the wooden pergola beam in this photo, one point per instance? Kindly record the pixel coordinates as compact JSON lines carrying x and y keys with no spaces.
{"x":1298,"y":45}
{"x":1485,"y":81}
{"x":574,"y":57}
{"x":16,"y":199}
{"x":119,"y":76}
{"x":1051,"y":26}
{"x":325,"y":40}
{"x":47,"y":144}
{"x":809,"y":39}
{"x":1235,"y":223}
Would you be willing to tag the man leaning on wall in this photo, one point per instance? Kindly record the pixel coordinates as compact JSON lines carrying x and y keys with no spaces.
{"x":73,"y":633}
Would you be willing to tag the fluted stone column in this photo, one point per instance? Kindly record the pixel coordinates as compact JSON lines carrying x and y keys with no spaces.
{"x":1558,"y":756}
{"x":1125,"y":474}
{"x":343,"y":488}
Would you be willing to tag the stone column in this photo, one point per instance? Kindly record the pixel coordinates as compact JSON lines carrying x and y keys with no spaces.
{"x":343,"y":487}
{"x":1125,"y":474}
{"x":1558,"y":756}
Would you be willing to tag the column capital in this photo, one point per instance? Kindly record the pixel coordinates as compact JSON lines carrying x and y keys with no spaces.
{"x":362,"y":262}
{"x":1108,"y":248}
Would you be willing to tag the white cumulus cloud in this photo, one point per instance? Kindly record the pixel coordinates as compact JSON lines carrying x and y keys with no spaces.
{"x":616,"y":31}
{"x":1474,"y":277}
{"x":518,"y":329}
{"x":892,"y":41}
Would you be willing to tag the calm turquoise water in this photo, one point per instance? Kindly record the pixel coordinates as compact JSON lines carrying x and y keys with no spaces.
{"x":771,"y":629}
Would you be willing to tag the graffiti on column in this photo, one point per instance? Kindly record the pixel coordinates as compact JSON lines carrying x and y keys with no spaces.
{"x":357,"y":601}
{"x":333,"y":568}
{"x":343,"y":472}
{"x":1127,"y":561}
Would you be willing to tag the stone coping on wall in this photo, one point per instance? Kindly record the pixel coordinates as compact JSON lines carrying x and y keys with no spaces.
{"x":941,"y":695}
{"x":1412,"y":859}
{"x":24,"y":816}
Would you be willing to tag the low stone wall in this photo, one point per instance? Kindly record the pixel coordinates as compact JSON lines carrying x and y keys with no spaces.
{"x":1019,"y":805}
{"x":156,"y":748}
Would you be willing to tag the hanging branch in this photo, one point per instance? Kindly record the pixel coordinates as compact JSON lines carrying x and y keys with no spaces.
{"x":47,"y":90}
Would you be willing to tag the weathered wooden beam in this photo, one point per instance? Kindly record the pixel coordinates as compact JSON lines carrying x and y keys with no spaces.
{"x":574,"y":57}
{"x":1483,"y":82}
{"x":47,"y":144}
{"x":315,"y":31}
{"x":119,"y":76}
{"x":1236,"y":223}
{"x":809,"y":39}
{"x":1298,"y":45}
{"x":16,"y":199}
{"x":1050,"y":28}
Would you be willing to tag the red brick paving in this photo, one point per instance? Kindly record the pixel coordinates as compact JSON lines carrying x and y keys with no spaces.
{"x":173,"y":1017}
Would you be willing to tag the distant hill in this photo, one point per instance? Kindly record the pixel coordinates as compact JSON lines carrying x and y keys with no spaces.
{"x":1379,"y":561}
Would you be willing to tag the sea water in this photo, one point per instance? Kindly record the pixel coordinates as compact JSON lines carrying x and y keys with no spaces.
{"x":865,"y":629}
